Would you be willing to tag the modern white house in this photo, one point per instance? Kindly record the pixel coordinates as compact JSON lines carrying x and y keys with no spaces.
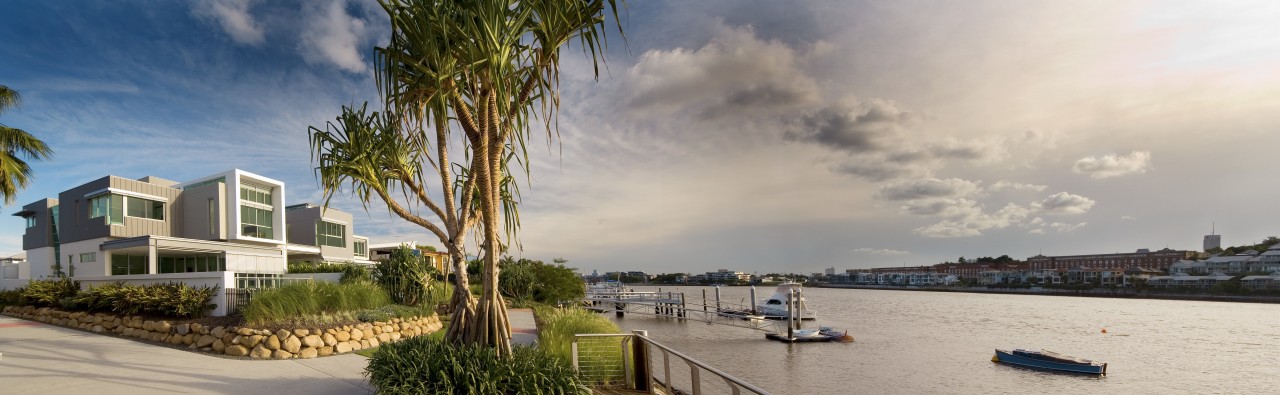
{"x":230,"y":230}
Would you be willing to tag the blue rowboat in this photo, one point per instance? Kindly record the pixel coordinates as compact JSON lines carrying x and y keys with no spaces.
{"x":1049,"y":360}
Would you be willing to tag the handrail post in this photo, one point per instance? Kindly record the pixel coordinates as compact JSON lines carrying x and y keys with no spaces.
{"x":640,"y":362}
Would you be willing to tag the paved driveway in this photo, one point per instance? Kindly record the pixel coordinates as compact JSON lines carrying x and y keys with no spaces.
{"x":44,"y":359}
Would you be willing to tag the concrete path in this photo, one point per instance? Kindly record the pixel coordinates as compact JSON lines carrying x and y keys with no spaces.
{"x":37,"y":358}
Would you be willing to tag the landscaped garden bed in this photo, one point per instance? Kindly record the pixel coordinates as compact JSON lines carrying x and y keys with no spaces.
{"x":240,"y":341}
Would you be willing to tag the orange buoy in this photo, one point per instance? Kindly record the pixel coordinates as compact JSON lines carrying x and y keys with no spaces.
{"x":1104,"y":330}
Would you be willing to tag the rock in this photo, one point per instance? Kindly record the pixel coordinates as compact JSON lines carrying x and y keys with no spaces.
{"x":192,"y":346}
{"x":262,"y":332}
{"x":205,"y":341}
{"x":292,"y":344}
{"x":251,"y":341}
{"x":365,"y":343}
{"x":245,"y":332}
{"x":373,"y":343}
{"x":383,"y":337}
{"x":329,"y":340}
{"x":324,"y":351}
{"x":301,"y":333}
{"x":218,"y":345}
{"x":127,"y":331}
{"x":308,"y":353}
{"x":189,"y":338}
{"x":272,"y":342}
{"x":260,"y":352}
{"x":283,"y":334}
{"x":97,"y":328}
{"x":182,"y":329}
{"x":281,"y":354}
{"x":148,"y":325}
{"x":395,"y":336}
{"x":368,"y":334}
{"x":342,"y":336}
{"x":357,"y":334}
{"x":312,"y":341}
{"x":218,"y":332}
{"x":235,"y":350}
{"x":197,"y":328}
{"x":163,"y":327}
{"x":342,"y":347}
{"x":376,"y":330}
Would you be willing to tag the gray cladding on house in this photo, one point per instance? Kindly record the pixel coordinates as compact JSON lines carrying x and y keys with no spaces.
{"x":40,"y":234}
{"x":76,"y":225}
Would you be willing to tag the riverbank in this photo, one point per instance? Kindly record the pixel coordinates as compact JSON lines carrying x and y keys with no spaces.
{"x":1093,"y":293}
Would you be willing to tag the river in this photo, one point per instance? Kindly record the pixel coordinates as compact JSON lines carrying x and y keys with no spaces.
{"x":942,"y":343}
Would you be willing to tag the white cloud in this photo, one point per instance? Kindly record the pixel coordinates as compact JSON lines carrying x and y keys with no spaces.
{"x":1112,"y":165}
{"x":1128,"y":217}
{"x":234,"y":17}
{"x":1063,"y":203}
{"x":880,"y":251}
{"x":1066,"y":227}
{"x":1009,"y":185}
{"x":333,"y":36}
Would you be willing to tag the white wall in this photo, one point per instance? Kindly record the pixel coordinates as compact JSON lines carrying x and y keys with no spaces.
{"x":252,"y":263}
{"x":198,"y":279}
{"x":99,"y":266}
{"x":38,"y":262}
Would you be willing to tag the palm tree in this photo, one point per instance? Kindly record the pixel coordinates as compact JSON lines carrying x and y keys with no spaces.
{"x":15,"y":173}
{"x":487,"y":69}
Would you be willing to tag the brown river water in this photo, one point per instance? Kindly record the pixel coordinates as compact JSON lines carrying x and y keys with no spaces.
{"x":942,"y":343}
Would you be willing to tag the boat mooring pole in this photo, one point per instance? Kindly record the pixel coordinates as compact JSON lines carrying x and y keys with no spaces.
{"x":684,"y":310}
{"x":717,"y":299}
{"x":753,"y":299}
{"x":790,"y":333}
{"x":704,"y":302}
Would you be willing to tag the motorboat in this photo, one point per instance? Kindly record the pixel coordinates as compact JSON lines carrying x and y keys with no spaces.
{"x":823,"y":334}
{"x":1049,"y":360}
{"x":775,"y":307}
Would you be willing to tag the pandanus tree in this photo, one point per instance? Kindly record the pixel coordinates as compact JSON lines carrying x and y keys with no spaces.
{"x":15,"y":143}
{"x":474,"y":79}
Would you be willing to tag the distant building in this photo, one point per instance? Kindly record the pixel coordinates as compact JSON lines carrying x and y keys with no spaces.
{"x":1153,"y":259}
{"x":1212,"y":242}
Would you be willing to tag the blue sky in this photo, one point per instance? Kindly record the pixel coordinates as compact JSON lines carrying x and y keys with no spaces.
{"x":780,"y":136}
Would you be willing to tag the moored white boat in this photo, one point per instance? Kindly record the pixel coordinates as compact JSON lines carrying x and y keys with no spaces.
{"x":775,"y":307}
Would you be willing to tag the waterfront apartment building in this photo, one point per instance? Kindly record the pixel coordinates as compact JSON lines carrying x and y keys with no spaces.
{"x":228,"y":230}
{"x":1161,"y":259}
{"x":318,"y":234}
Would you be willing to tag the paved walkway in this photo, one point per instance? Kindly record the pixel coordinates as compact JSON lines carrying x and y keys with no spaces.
{"x":37,"y":358}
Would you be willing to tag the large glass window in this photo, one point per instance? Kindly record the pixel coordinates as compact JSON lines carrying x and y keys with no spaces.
{"x":361,"y":248}
{"x":122,"y":264}
{"x":255,"y":222}
{"x":108,"y":205}
{"x":192,"y":263}
{"x":255,"y":194}
{"x":143,"y":208}
{"x":31,"y":221}
{"x":331,"y":234}
{"x":88,"y":257}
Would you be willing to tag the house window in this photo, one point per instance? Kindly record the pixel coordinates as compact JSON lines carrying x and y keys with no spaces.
{"x":213,"y":217}
{"x":331,"y":234}
{"x":192,"y":263}
{"x":108,"y":205}
{"x":143,"y":208}
{"x":31,"y":221}
{"x":88,"y":257}
{"x":122,"y":264}
{"x":361,"y":247}
{"x":255,"y":194}
{"x":255,"y":222}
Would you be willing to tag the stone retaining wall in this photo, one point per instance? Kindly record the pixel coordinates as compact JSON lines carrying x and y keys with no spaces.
{"x":240,"y":341}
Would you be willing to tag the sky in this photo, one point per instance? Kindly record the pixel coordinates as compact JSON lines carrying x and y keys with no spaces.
{"x":750,"y":136}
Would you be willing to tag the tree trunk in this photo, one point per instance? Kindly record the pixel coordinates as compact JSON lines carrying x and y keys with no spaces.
{"x":462,"y":307}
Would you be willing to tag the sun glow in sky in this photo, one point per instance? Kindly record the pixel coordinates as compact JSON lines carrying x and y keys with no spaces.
{"x":769,"y":137}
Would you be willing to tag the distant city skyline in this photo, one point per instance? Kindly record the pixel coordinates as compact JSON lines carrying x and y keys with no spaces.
{"x":781,"y":136}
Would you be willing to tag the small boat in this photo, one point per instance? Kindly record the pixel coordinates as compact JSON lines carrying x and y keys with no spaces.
{"x":823,"y":334}
{"x":775,"y":308}
{"x":1049,"y":360}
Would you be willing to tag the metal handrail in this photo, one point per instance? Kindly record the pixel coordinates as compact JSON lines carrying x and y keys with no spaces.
{"x":694,"y":365}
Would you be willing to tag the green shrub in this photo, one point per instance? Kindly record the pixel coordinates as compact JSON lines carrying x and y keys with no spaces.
{"x":168,"y":300}
{"x":426,"y":366}
{"x":49,"y":293}
{"x":406,"y":276}
{"x":302,"y":299}
{"x":12,"y":297}
{"x":556,"y":328}
{"x":526,"y":280}
{"x":353,"y":273}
